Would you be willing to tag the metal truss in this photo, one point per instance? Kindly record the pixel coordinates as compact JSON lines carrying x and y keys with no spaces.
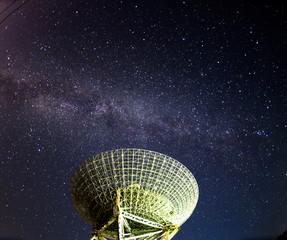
{"x":166,"y":232}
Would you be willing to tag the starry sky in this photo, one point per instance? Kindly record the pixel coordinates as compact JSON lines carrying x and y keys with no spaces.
{"x":201,"y":81}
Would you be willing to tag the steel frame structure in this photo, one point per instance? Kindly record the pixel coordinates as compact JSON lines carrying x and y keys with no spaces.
{"x":125,"y":232}
{"x":128,"y":194}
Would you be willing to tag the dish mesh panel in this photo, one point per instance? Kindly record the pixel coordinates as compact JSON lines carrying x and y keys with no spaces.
{"x":151,"y":185}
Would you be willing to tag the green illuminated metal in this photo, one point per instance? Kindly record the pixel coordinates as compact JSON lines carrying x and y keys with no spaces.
{"x":128,"y":194}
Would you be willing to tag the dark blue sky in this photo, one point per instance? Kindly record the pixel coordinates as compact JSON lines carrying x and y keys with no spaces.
{"x":201,"y":81}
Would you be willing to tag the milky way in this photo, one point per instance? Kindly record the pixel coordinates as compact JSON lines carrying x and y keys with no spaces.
{"x":202,"y":82}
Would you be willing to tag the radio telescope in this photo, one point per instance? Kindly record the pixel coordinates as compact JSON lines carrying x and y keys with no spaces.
{"x":129,"y":194}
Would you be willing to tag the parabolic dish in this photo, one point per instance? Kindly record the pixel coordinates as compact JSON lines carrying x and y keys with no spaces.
{"x":151,"y":185}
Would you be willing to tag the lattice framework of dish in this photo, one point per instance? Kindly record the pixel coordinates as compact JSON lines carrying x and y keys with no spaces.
{"x":150,"y":185}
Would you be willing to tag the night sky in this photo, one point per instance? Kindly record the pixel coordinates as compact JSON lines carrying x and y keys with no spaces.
{"x":201,"y":81}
